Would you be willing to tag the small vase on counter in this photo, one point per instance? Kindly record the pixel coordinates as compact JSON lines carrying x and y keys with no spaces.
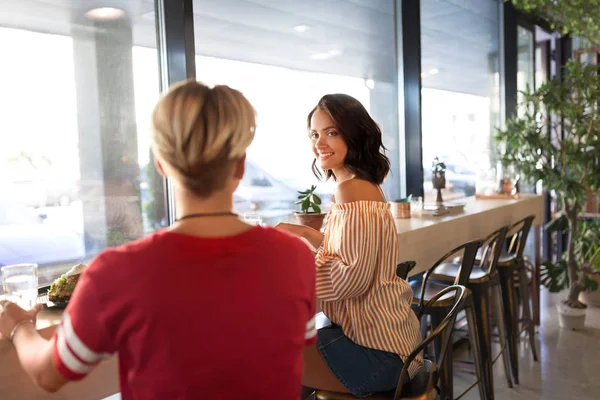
{"x":401,"y":208}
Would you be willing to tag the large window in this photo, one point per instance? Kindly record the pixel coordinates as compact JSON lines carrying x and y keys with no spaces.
{"x":284,"y":56}
{"x":75,"y":171}
{"x":460,"y":90}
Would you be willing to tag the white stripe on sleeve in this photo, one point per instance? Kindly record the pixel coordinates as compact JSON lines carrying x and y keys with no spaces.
{"x":311,"y":328}
{"x":70,"y":361}
{"x":79,"y":348}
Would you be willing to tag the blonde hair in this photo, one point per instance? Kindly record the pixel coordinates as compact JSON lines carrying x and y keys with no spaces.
{"x":202,"y":133}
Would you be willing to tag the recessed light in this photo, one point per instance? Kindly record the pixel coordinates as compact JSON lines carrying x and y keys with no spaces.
{"x":324,"y":56}
{"x":321,"y":56}
{"x":301,"y":28}
{"x":434,"y":71}
{"x":370,"y":83}
{"x":105,"y":13}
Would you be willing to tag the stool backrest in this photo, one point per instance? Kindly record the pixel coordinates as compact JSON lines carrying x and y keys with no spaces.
{"x":444,"y":329}
{"x":491,"y":249}
{"x":519,"y":231}
{"x":404,"y":268}
{"x":469,"y":251}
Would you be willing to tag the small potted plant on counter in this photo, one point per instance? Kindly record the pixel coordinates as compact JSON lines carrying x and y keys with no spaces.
{"x":438,"y":178}
{"x":401,"y":207}
{"x":308,"y":199}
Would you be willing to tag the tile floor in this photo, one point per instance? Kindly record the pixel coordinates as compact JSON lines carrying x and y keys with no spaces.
{"x":569,"y":366}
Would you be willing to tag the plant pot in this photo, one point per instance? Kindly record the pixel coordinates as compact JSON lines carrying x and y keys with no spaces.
{"x":592,"y":299}
{"x":571,"y":318}
{"x":400,"y":209}
{"x":312,"y":220}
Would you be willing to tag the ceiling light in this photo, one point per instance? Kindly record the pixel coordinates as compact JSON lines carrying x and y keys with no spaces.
{"x":301,"y":28}
{"x":321,"y":56}
{"x":105,"y":13}
{"x":325,"y":56}
{"x":434,"y":71}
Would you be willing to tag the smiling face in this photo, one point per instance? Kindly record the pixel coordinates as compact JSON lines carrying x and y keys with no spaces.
{"x":329,"y":147}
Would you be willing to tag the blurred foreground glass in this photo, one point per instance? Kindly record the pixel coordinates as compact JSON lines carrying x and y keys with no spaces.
{"x":20,"y":282}
{"x":416,"y":206}
{"x":252,"y":218}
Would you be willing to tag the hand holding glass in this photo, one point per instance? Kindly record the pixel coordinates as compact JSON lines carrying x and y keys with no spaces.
{"x":20,"y":284}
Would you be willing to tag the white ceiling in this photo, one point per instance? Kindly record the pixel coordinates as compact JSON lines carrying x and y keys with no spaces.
{"x":458,"y":36}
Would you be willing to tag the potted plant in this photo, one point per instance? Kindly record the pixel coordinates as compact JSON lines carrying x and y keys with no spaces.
{"x":401,"y":207}
{"x":556,"y":139}
{"x":308,"y":199}
{"x":589,"y":251}
{"x":438,"y":178}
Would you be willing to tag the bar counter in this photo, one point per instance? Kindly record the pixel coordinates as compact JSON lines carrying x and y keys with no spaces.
{"x":427,"y":238}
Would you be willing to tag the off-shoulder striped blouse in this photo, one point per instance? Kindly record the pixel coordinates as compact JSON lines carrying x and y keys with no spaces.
{"x":357,"y":282}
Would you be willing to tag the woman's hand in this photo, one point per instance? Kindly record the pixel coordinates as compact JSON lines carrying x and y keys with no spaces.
{"x":11,"y":314}
{"x":297,"y":230}
{"x":312,"y":236}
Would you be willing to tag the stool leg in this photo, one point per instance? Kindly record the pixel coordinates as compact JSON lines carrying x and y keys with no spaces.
{"x":499,"y":313}
{"x":446,"y":374}
{"x":481,"y":310}
{"x":509,"y":299}
{"x":525,"y":300}
{"x":474,"y":342}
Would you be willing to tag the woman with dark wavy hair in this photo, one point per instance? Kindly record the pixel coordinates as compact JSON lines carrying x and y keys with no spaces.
{"x":373,"y":327}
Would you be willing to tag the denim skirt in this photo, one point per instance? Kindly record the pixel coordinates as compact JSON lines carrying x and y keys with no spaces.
{"x":361,"y":370}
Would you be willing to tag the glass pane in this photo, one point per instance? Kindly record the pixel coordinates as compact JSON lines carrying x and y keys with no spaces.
{"x":75,"y":166}
{"x":284,"y":56}
{"x":460,"y":91}
{"x":525,"y":59}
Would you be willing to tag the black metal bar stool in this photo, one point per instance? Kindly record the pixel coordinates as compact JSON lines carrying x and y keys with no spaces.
{"x":513,"y":276}
{"x":483,"y":281}
{"x":424,"y":290}
{"x":424,"y":386}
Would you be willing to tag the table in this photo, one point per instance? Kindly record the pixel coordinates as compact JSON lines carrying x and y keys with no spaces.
{"x":102,"y":382}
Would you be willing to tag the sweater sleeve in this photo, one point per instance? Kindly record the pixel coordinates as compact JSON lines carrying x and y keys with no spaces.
{"x":346,"y":264}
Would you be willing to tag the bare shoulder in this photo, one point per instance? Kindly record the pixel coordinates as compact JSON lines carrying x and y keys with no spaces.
{"x":357,"y":190}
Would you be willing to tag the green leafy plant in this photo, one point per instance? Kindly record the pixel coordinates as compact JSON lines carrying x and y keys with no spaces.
{"x":438,"y":167}
{"x":555,"y":275}
{"x":569,"y":17}
{"x":309,"y":199}
{"x":556,"y":139}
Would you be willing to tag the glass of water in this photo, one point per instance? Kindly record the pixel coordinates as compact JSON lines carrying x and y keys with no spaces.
{"x":253,"y":218}
{"x":416,"y":206}
{"x":20,"y":284}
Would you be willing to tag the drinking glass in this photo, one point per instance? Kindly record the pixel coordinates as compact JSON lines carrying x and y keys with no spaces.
{"x":253,"y":218}
{"x":416,"y":206}
{"x":20,"y":284}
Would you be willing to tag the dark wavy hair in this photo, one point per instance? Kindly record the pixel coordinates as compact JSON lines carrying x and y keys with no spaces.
{"x":366,"y":157}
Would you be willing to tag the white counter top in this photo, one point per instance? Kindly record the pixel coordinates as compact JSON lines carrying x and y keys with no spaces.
{"x":425,"y":239}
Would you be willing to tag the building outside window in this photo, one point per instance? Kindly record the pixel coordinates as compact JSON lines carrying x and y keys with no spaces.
{"x":460,"y":90}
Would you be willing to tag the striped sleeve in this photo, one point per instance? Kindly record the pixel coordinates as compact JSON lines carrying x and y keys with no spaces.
{"x":81,"y":341}
{"x":346,"y":265}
